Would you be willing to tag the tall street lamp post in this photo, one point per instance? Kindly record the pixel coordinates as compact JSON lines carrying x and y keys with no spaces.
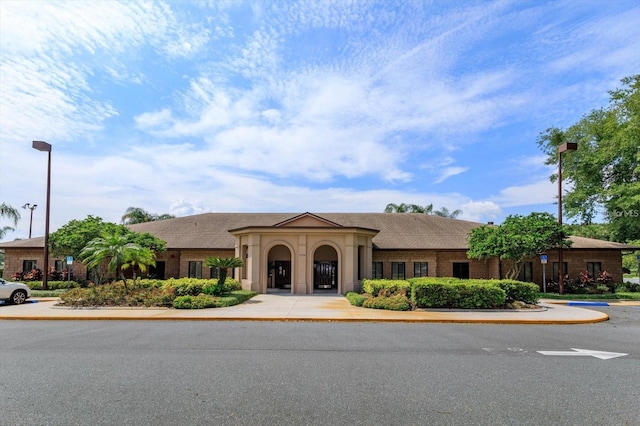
{"x":32,"y":208}
{"x":567,"y":146}
{"x":46,"y":147}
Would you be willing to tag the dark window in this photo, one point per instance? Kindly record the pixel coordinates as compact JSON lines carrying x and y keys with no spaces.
{"x":526,"y":273}
{"x":555,"y":269}
{"x":59,"y":265}
{"x":195,"y":269}
{"x":397,"y":271}
{"x":594,"y":268}
{"x":28,"y":265}
{"x":461,"y":270}
{"x":420,"y":269}
{"x":376,"y":272}
{"x":158,"y":270}
{"x":214,"y":272}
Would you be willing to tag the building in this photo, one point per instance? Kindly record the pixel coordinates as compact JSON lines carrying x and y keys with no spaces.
{"x":329,"y":252}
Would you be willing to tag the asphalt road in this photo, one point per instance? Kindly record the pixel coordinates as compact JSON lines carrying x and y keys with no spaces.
{"x":275,"y":373}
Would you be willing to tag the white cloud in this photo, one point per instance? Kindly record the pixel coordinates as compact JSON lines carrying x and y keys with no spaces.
{"x":447,"y":172}
{"x":536,"y":193}
{"x":480,"y":210}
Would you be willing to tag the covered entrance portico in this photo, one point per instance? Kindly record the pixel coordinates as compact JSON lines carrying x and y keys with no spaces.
{"x":305,"y":254}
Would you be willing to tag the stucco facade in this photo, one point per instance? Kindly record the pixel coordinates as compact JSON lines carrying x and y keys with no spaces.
{"x":310,"y":253}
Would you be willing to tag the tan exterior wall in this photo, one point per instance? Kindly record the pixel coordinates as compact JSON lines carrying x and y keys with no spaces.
{"x":14,"y":258}
{"x":440,"y":263}
{"x":305,"y":246}
{"x":611,"y":261}
{"x":255,"y":250}
{"x":186,"y":256}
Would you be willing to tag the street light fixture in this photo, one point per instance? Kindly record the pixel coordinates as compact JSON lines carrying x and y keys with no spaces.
{"x":567,"y":146}
{"x":46,"y":147}
{"x":32,"y":208}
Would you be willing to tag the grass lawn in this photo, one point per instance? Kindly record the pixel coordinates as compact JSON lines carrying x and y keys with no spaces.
{"x":614,"y":296}
{"x":48,"y":293}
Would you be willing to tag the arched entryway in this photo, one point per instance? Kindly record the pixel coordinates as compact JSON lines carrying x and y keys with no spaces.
{"x":279,"y":268}
{"x":325,"y":269}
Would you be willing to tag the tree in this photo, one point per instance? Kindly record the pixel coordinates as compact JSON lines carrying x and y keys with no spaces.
{"x":405,"y":208}
{"x":10,"y":213}
{"x":518,"y":238}
{"x":139,"y":260}
{"x":415,"y":208}
{"x":135,"y":215}
{"x":604,"y":173}
{"x":223,"y":264}
{"x":444,"y":212}
{"x":71,"y":239}
{"x":117,"y":252}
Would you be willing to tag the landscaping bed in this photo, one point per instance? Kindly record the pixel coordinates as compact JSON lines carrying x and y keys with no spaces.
{"x":184,"y":293}
{"x":450,"y":293}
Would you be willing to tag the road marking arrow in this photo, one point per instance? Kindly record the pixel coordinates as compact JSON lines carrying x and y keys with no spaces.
{"x":584,"y":352}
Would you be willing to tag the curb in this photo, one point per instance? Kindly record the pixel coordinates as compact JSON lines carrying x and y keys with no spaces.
{"x":602,"y":318}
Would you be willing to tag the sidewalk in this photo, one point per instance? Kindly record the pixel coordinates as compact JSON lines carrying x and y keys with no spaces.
{"x":270,"y":307}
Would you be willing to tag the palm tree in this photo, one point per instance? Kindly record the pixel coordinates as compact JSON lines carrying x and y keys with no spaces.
{"x":135,"y":215}
{"x":139,"y":259}
{"x":223,"y":264}
{"x":10,"y":213}
{"x":408,"y":208}
{"x":114,"y":250}
{"x":444,"y":212}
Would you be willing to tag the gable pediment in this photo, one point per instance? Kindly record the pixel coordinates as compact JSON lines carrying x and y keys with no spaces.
{"x":307,"y":220}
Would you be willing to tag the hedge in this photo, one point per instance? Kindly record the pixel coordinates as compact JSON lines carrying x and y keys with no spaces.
{"x":398,"y":302}
{"x":52,"y":285}
{"x":195,"y":286}
{"x":391,"y":287}
{"x":356,"y":299}
{"x":459,"y":295}
{"x":204,"y":301}
{"x":520,"y":291}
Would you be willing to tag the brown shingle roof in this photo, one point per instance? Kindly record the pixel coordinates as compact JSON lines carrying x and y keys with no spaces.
{"x":396,"y":230}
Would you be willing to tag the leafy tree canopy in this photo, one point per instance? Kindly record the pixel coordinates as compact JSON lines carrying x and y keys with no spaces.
{"x":72,"y":238}
{"x":10,"y":213}
{"x":118,"y":252}
{"x":223,"y":264}
{"x":415,"y":208}
{"x":517,"y":238}
{"x":138,"y":215}
{"x":604,"y":173}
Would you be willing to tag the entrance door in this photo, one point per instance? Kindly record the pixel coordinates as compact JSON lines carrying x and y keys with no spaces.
{"x":158,"y":270}
{"x":282,"y":273}
{"x":325,"y":276}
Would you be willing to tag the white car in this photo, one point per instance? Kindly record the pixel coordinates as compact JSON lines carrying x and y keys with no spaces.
{"x":15,"y":293}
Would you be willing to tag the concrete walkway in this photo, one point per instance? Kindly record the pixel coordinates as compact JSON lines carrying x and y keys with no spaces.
{"x":277,"y":307}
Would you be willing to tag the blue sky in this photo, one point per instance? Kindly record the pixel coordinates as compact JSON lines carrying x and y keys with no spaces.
{"x":287,"y":106}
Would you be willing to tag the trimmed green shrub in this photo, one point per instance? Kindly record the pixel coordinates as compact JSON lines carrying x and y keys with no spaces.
{"x":242,"y":295}
{"x":398,"y":302}
{"x":115,"y":295}
{"x":211,"y":287}
{"x":204,"y":301}
{"x":53,"y":285}
{"x":518,"y":290}
{"x":391,"y":287}
{"x":356,"y":299}
{"x":461,"y":295}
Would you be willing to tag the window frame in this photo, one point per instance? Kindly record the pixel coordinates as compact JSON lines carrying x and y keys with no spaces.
{"x":395,"y":270}
{"x":197,"y":265}
{"x":591,"y":268}
{"x":418,"y":266}
{"x":459,"y":274}
{"x":374,"y":270}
